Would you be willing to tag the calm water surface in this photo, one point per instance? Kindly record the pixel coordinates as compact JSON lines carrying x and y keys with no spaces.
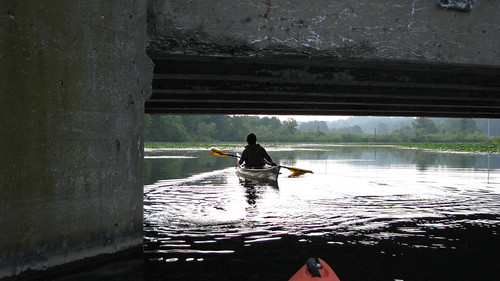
{"x":373,"y":213}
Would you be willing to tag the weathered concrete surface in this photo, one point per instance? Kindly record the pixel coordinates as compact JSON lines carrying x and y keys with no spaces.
{"x":414,"y":30}
{"x":73,"y":80}
{"x":342,"y":57}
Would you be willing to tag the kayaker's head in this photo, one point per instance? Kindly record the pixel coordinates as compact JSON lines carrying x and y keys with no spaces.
{"x":251,"y":139}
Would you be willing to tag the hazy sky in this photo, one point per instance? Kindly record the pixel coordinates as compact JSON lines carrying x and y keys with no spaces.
{"x":302,"y":118}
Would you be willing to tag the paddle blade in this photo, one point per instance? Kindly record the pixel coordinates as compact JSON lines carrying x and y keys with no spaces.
{"x":221,"y":153}
{"x":298,"y":170}
{"x":295,"y":175}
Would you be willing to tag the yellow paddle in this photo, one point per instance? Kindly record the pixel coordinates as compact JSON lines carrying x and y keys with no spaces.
{"x":221,"y":153}
{"x":297,"y":170}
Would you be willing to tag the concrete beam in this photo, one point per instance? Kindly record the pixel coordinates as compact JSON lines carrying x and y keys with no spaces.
{"x":459,"y":32}
{"x":73,"y":81}
{"x":368,"y":57}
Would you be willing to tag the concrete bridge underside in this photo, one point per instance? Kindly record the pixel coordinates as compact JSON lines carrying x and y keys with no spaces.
{"x":75,"y":77}
{"x":321,"y":86}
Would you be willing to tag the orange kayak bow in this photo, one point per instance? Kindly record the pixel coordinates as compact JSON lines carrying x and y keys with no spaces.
{"x":315,"y":269}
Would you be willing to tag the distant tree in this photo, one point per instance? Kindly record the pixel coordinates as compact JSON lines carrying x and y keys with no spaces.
{"x":425,"y":125}
{"x":354,"y":130}
{"x":206,"y":131}
{"x":209,"y":128}
{"x":290,"y":126}
{"x":459,"y":127}
{"x":175,"y":130}
{"x":402,"y":134}
{"x":241,"y":128}
{"x":313,"y":126}
{"x":272,"y":123}
{"x":191,"y":122}
{"x":160,"y":128}
{"x":223,"y":126}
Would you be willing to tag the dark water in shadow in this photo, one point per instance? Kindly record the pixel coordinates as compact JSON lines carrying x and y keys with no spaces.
{"x":372,"y":213}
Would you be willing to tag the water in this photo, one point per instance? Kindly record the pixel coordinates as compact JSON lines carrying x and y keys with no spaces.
{"x":372,"y":213}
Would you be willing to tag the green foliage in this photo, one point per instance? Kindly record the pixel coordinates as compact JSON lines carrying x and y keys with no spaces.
{"x":425,"y":126}
{"x":313,"y":126}
{"x":164,"y":128}
{"x":484,"y":147}
{"x":223,"y":128}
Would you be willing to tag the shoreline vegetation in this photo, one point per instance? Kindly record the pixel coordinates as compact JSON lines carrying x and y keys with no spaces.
{"x":464,"y":147}
{"x":229,"y":132}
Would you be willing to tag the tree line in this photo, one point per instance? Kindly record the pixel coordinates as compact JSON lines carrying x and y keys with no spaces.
{"x":225,"y":128}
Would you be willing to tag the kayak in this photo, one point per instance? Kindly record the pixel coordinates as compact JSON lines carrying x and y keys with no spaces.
{"x":267,"y":173}
{"x":315,"y":269}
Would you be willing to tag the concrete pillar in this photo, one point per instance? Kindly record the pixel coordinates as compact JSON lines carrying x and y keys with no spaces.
{"x":73,"y":79}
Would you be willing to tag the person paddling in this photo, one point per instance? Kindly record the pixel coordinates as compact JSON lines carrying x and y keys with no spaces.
{"x":254,"y":155}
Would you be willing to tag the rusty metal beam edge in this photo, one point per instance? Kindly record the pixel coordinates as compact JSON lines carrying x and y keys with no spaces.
{"x":256,"y":103}
{"x":321,"y":113}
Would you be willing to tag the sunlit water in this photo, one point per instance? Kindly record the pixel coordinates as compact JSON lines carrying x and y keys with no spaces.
{"x":372,"y":213}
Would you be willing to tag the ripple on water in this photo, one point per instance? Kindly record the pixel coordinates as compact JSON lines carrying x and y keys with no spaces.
{"x":212,"y":214}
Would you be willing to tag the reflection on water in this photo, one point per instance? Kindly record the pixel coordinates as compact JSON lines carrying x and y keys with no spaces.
{"x":371,"y":212}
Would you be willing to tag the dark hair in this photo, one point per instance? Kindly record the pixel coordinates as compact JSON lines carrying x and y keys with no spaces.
{"x":252,"y":138}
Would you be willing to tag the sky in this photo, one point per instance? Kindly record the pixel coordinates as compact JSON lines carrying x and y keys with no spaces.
{"x":303,"y":118}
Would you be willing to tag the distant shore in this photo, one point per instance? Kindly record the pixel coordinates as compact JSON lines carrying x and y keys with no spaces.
{"x":473,"y":147}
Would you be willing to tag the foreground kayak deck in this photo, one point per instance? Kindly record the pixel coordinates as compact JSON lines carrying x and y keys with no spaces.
{"x":315,"y":270}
